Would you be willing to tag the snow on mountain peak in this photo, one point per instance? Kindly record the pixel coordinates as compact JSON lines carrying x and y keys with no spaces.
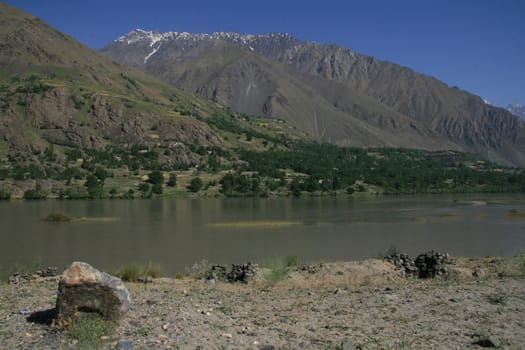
{"x":517,"y":109}
{"x":153,"y":37}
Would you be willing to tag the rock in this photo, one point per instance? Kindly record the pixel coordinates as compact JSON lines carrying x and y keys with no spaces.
{"x":28,"y":277}
{"x":347,"y":345}
{"x":304,"y":344}
{"x":48,"y":272}
{"x":487,"y":342}
{"x":242,"y":273}
{"x":123,"y":345}
{"x":238,"y":273}
{"x":430,"y":264}
{"x":145,"y":279}
{"x":456,"y":300}
{"x":479,"y":273}
{"x":83,"y":288}
{"x":427,"y":265}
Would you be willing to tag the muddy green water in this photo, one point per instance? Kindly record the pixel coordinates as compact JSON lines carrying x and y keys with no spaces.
{"x":176,"y":233}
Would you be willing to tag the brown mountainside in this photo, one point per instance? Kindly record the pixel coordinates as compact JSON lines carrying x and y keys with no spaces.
{"x":330,"y":92}
{"x":56,"y":91}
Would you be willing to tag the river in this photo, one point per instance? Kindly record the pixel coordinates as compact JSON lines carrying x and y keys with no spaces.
{"x":176,"y":233}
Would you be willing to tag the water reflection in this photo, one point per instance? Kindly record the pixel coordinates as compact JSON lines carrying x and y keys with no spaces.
{"x":177,"y":233}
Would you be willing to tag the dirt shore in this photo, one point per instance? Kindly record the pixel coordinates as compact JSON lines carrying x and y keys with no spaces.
{"x":347,"y":305}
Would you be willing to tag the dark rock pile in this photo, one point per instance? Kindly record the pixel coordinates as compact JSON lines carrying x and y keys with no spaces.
{"x":27,"y":277}
{"x":238,"y":273}
{"x":431,"y":264}
{"x":404,"y":263}
{"x":427,"y":265}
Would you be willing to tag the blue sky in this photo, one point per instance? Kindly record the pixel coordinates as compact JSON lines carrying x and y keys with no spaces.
{"x":477,"y":45}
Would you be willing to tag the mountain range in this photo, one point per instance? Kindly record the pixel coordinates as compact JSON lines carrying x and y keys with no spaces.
{"x":56,"y":92}
{"x":327,"y":91}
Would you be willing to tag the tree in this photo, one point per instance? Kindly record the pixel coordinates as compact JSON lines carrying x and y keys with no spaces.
{"x":101,"y":173}
{"x":93,"y":186}
{"x":144,"y":190}
{"x":295,"y":187}
{"x":172,"y":182}
{"x":156,"y":189}
{"x":195,"y":184}
{"x":4,"y":194}
{"x":155,"y":177}
{"x":35,"y":194}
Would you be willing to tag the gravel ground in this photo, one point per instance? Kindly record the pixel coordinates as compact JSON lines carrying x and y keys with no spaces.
{"x":347,"y":305}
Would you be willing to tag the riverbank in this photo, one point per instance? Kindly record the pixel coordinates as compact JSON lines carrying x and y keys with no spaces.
{"x":345,"y":305}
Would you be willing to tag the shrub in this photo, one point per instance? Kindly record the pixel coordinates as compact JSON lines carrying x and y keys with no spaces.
{"x":144,"y":189}
{"x":156,"y":189}
{"x":277,"y":269}
{"x":291,"y":260}
{"x":57,"y":216}
{"x":130,"y":194}
{"x":133,"y":272}
{"x":5,"y":195}
{"x":195,"y":184}
{"x":199,"y":269}
{"x":35,"y":194}
{"x":129,"y":272}
{"x":155,"y":177}
{"x":172,"y":182}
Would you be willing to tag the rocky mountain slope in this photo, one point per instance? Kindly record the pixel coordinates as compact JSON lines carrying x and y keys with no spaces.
{"x":57,"y":95}
{"x":517,"y":110}
{"x":330,"y":92}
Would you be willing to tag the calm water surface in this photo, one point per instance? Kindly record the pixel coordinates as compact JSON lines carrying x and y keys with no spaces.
{"x":179,"y":232}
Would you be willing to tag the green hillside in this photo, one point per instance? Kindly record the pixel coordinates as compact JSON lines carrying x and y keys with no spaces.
{"x":75,"y":125}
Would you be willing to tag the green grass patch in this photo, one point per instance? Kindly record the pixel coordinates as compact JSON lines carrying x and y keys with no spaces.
{"x":513,"y":267}
{"x":277,"y":269}
{"x":447,"y":216}
{"x":88,"y":330}
{"x":515,"y":214}
{"x":419,"y":219}
{"x":96,"y":219}
{"x":133,"y":272}
{"x":57,"y":216}
{"x":254,"y":223}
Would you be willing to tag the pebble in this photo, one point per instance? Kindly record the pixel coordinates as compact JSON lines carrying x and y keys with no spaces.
{"x":487,"y":342}
{"x":347,"y":345}
{"x":227,"y":335}
{"x":124,"y":345}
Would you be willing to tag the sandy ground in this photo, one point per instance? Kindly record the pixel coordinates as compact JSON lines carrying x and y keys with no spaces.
{"x":346,"y":305}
